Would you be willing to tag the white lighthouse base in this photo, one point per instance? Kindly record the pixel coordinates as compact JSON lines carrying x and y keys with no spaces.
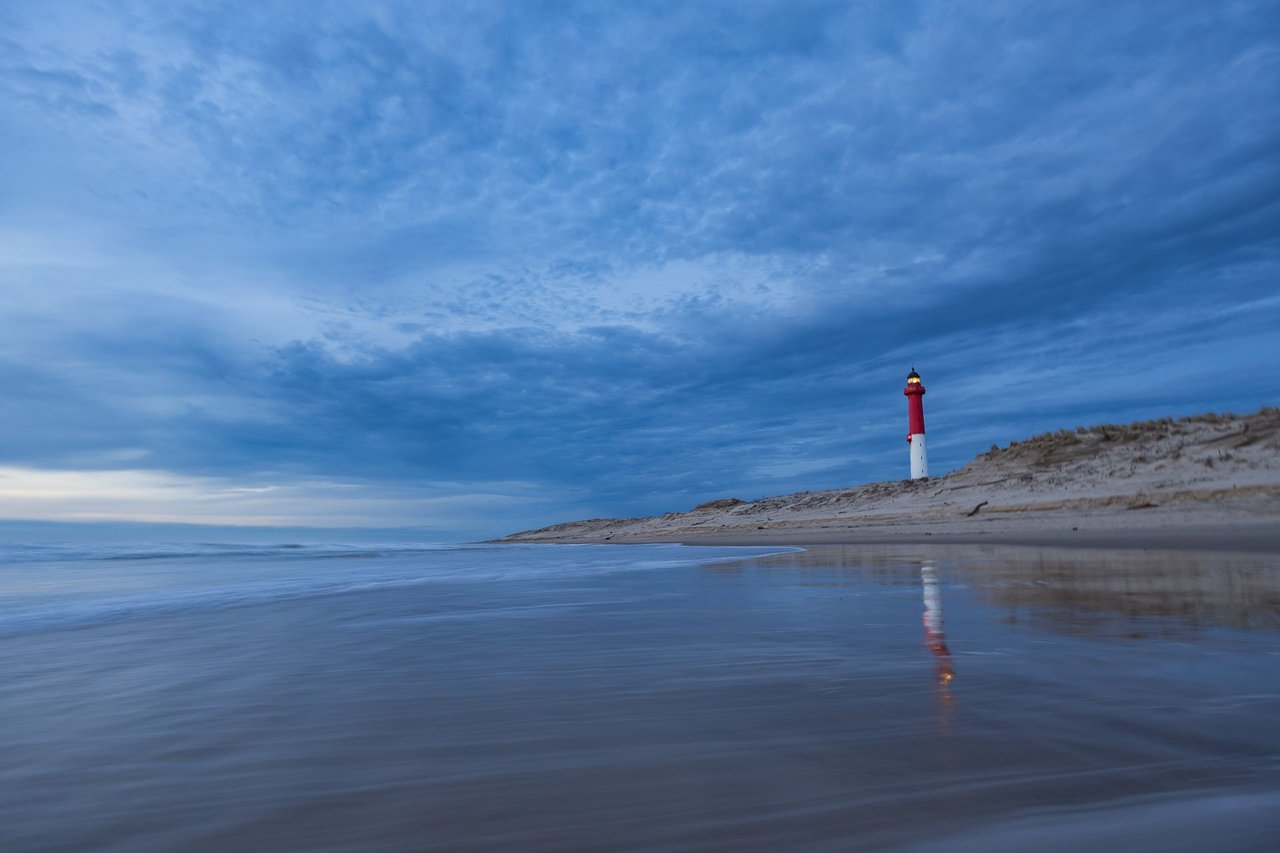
{"x":919,"y":458}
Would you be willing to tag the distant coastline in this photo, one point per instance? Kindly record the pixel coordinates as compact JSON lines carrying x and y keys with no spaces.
{"x":1201,"y":482}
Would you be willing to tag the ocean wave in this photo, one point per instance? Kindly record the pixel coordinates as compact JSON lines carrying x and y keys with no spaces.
{"x":59,"y":553}
{"x":108,"y":611}
{"x":64,"y":591}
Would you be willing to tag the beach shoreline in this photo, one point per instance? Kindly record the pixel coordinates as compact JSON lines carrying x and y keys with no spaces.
{"x":1259,"y":538}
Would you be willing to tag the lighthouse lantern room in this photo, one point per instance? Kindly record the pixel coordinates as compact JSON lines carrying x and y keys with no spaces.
{"x":915,"y":430}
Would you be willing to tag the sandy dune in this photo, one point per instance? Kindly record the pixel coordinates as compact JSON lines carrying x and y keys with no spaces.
{"x":1208,"y":480}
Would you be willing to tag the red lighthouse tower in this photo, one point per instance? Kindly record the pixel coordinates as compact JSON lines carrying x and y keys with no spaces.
{"x":915,"y":430}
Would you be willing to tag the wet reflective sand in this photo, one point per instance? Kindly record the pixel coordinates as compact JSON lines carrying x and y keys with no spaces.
{"x":841,"y":698}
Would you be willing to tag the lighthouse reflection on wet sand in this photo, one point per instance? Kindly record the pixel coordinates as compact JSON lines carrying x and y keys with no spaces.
{"x":915,"y":431}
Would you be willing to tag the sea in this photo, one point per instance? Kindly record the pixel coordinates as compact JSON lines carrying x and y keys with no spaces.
{"x":358,"y":696}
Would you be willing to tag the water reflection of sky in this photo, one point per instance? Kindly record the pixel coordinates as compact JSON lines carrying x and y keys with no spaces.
{"x":1143,"y":632}
{"x":1099,"y":593}
{"x":543,"y":697}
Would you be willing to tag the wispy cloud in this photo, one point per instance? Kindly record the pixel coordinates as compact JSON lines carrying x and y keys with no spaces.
{"x":634,"y":257}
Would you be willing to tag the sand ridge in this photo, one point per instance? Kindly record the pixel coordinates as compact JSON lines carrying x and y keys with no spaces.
{"x":1206,"y":472}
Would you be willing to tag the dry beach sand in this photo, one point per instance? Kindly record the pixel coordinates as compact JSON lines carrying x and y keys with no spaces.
{"x":1203,"y":482}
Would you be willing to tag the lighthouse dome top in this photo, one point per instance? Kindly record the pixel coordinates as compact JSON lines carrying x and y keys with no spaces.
{"x":913,"y":378}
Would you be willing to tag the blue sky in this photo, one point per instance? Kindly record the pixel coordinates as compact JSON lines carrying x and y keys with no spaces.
{"x":481,"y":266}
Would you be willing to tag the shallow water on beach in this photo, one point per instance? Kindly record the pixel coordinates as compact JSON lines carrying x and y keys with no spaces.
{"x":637,"y":697}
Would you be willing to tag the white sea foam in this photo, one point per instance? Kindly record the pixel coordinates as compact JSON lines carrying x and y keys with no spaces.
{"x":68,"y":552}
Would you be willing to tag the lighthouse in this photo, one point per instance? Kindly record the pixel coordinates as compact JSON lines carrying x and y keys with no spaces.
{"x":915,"y":431}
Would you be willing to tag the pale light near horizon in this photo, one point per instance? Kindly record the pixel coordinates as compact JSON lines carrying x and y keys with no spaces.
{"x":156,"y":496}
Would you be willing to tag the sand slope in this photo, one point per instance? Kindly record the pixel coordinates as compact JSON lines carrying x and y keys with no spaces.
{"x":1207,"y":472}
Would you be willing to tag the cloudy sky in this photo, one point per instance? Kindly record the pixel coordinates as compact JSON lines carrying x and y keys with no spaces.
{"x":481,"y":266}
